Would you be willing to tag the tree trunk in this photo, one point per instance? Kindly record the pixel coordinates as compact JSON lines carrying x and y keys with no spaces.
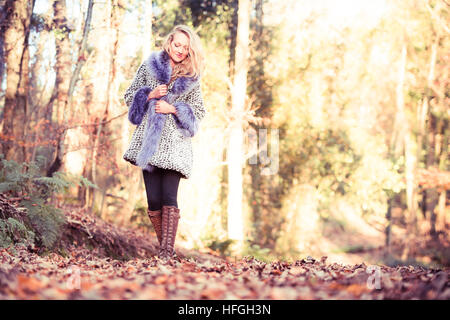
{"x":442,"y":213}
{"x":432,"y":196}
{"x":36,"y":129}
{"x":63,"y":66}
{"x":235,"y":147}
{"x":429,"y":133}
{"x":3,"y":17}
{"x":233,"y":37}
{"x":410,"y":160}
{"x":264,"y":194}
{"x":63,"y":62}
{"x":16,"y":58}
{"x":60,"y":150}
{"x":388,"y":228}
{"x":148,"y":38}
{"x":117,"y":12}
{"x":100,"y":70}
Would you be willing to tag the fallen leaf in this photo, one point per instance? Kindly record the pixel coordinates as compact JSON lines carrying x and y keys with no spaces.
{"x":152,"y":293}
{"x":161,"y":279}
{"x":295,"y":271}
{"x":28,"y":283}
{"x":213,"y":293}
{"x":357,"y":289}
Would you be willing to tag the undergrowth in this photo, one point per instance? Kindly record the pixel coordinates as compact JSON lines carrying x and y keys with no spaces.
{"x":36,"y":222}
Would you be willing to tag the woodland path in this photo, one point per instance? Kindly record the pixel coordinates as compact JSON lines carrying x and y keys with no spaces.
{"x":86,"y":270}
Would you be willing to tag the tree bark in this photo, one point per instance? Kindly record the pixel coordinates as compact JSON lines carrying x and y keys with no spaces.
{"x":63,"y":65}
{"x":37,"y":128}
{"x":410,"y":160}
{"x":17,"y":30}
{"x":233,"y":38}
{"x":63,"y":62}
{"x":58,"y":161}
{"x":429,"y":133}
{"x":442,"y":213}
{"x":117,"y":13}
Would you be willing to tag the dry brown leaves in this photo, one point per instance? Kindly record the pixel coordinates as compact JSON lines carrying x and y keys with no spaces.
{"x":88,"y":275}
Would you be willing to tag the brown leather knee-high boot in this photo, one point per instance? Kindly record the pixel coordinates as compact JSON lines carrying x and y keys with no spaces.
{"x":156,"y":219}
{"x":170,"y":217}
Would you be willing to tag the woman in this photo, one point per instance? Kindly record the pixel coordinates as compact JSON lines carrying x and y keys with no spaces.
{"x":165,"y":102}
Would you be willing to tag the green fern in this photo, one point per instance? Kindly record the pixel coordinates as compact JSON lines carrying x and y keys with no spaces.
{"x":74,"y":180}
{"x":43,"y":220}
{"x":14,"y":232}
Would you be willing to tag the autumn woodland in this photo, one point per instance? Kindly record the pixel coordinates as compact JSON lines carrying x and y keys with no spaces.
{"x":320,"y":171}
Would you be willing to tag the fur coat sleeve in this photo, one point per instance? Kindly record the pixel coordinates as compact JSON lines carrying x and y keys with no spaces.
{"x":139,"y":81}
{"x":190,"y":112}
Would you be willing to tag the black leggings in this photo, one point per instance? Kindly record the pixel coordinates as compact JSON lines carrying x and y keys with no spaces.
{"x":161,"y":186}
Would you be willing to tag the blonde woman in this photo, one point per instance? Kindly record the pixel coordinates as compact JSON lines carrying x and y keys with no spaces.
{"x":165,"y":103}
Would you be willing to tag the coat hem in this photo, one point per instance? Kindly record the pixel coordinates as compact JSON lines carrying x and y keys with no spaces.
{"x":183,"y":175}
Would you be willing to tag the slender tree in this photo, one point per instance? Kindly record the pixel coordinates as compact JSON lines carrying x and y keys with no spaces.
{"x":60,"y":150}
{"x":16,"y":32}
{"x":235,"y":146}
{"x":148,"y":42}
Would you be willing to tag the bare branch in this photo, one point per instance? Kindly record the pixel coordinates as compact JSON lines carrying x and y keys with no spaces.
{"x":437,"y":18}
{"x":96,"y":123}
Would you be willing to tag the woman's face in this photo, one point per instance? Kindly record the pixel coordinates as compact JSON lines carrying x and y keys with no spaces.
{"x":179,"y":47}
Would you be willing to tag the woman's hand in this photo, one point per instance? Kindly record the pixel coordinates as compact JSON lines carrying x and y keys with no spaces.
{"x":164,"y":107}
{"x":158,"y":92}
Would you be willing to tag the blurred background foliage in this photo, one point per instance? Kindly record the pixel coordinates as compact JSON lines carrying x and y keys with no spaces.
{"x":357,"y":91}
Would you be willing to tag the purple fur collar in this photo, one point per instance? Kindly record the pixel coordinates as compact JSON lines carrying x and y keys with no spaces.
{"x":158,"y":65}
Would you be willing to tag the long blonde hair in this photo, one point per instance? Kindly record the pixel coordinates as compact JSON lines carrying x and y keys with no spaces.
{"x":193,"y":64}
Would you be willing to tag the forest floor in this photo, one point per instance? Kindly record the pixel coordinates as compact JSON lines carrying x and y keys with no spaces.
{"x":103,"y":261}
